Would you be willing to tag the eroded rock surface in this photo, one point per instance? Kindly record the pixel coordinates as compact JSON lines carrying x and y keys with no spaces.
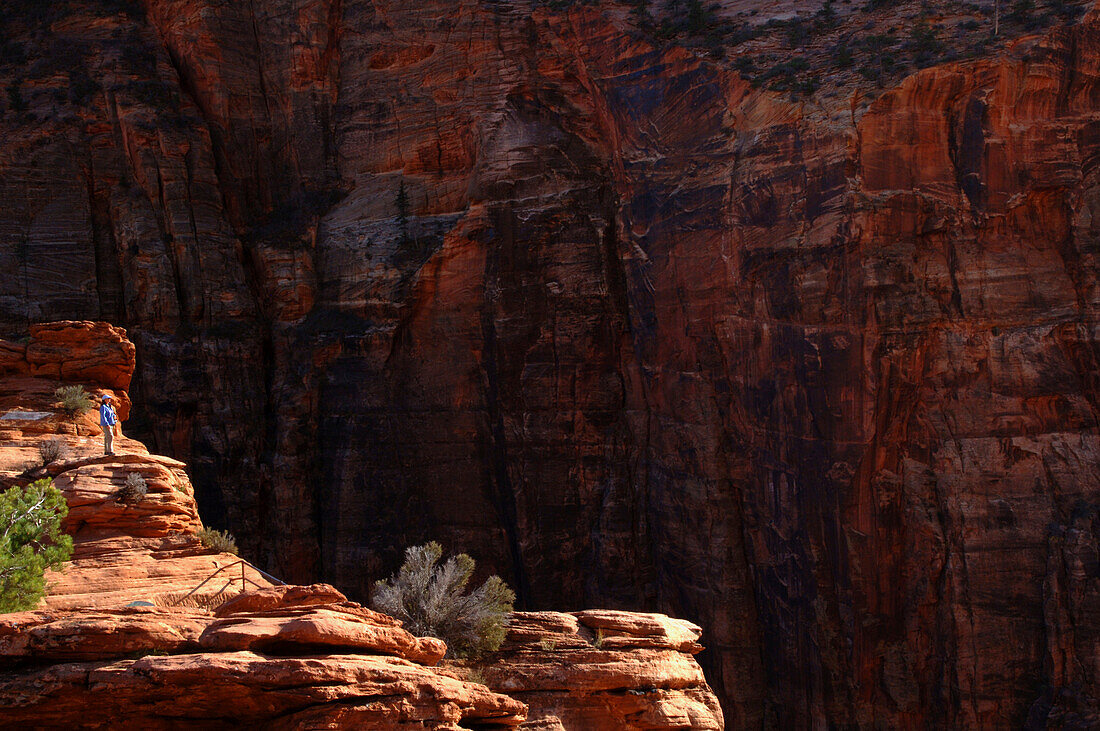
{"x":820,"y":376}
{"x":319,"y":664}
{"x":604,"y":670}
{"x":128,"y":635}
{"x":229,"y":689}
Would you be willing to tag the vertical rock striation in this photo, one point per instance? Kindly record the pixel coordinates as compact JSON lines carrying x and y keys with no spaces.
{"x":820,"y":377}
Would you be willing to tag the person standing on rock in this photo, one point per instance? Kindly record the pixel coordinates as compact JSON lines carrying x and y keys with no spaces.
{"x":107,"y":420}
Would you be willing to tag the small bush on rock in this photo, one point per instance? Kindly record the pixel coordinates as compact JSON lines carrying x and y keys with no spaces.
{"x":133,"y":490}
{"x":74,"y":400}
{"x":431,"y":599}
{"x":51,"y":450}
{"x":218,"y":540}
{"x":31,"y":541}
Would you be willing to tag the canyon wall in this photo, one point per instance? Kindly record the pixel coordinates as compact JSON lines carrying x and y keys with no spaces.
{"x":818,"y":376}
{"x":148,"y":626}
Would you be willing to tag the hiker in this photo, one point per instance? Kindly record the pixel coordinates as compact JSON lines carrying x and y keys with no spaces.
{"x":107,"y":420}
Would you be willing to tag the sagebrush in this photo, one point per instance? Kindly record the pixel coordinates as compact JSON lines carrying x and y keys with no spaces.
{"x":31,"y":541}
{"x":218,"y":540}
{"x":52,"y":450}
{"x":74,"y":400}
{"x":431,"y":600}
{"x":133,"y":490}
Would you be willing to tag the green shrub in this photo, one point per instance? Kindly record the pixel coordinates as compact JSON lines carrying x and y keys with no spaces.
{"x":789,"y":76}
{"x":473,"y":675}
{"x":217,"y":540}
{"x":697,"y":17}
{"x":797,"y":33}
{"x":15,"y":98}
{"x":74,"y":400}
{"x":431,"y":599}
{"x":133,"y":490}
{"x":826,"y":17}
{"x":842,"y":56}
{"x":926,"y":45}
{"x":402,"y":204}
{"x":31,"y":541}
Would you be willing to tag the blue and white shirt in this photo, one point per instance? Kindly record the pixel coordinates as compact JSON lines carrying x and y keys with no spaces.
{"x":107,"y":415}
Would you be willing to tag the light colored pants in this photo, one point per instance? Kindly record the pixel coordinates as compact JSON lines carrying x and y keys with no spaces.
{"x":108,"y":439}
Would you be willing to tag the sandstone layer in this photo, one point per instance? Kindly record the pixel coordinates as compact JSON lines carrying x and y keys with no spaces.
{"x":286,"y":667}
{"x":819,"y":376}
{"x":603,"y":670}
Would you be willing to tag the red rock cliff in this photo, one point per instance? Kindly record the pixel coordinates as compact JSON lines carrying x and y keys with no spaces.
{"x":628,"y":330}
{"x":146,"y":627}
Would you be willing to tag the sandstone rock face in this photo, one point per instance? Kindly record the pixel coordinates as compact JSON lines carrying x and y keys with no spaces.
{"x":342,"y":626}
{"x":97,"y":635}
{"x":820,"y":377}
{"x":145,"y":551}
{"x":230,"y":689}
{"x":93,"y":354}
{"x":604,"y":670}
{"x":334,"y":664}
{"x":127,"y":636}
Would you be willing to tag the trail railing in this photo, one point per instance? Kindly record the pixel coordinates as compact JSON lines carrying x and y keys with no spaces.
{"x":231,"y":579}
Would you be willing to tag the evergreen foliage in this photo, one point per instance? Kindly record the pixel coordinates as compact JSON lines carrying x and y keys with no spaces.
{"x":31,"y":541}
{"x":402,"y":204}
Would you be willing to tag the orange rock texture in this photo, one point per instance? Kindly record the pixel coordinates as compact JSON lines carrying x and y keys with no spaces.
{"x":146,"y":550}
{"x":604,"y":670}
{"x":68,"y":677}
{"x":141,"y":630}
{"x":819,"y":376}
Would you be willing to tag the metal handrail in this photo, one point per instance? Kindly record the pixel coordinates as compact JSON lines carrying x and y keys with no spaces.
{"x":245,"y":581}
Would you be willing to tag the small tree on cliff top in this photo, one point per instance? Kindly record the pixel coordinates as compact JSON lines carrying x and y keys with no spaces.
{"x":431,"y":599}
{"x":31,"y":541}
{"x":402,"y":204}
